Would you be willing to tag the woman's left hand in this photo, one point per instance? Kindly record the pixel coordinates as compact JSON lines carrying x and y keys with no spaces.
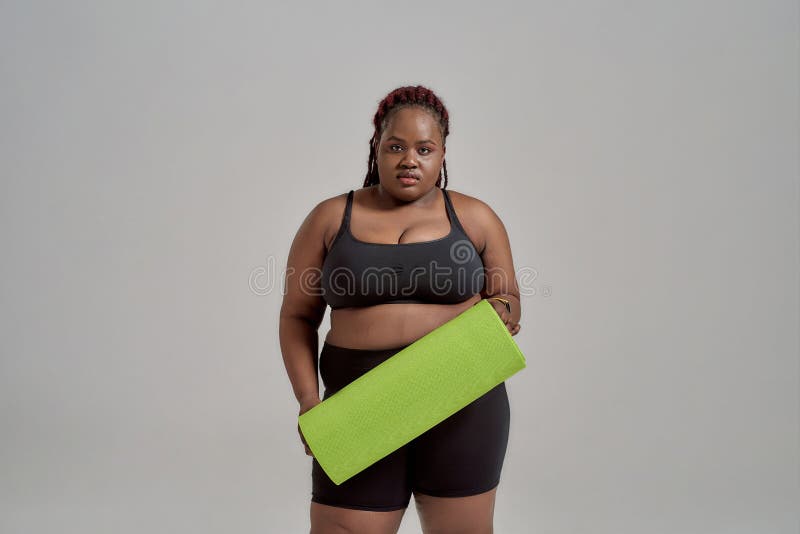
{"x":504,"y":314}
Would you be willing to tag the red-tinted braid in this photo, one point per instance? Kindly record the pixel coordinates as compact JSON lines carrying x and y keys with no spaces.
{"x":404,"y":97}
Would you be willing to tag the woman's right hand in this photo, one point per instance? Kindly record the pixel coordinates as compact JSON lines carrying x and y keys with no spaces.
{"x":304,"y":407}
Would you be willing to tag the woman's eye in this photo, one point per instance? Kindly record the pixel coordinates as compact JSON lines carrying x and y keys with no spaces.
{"x":400,"y":147}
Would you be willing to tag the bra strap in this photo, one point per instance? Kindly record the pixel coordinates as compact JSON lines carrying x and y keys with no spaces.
{"x":348,"y":209}
{"x":345,"y":217}
{"x":451,"y":210}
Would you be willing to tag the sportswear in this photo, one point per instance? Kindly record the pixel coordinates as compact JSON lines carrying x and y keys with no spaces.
{"x":356,"y":273}
{"x":463,"y":455}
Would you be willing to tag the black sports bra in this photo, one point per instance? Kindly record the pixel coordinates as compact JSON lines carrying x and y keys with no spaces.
{"x":447,"y":270}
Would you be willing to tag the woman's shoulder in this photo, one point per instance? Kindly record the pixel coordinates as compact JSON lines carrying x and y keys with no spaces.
{"x":470,"y":206}
{"x":476,"y":217}
{"x":461,"y":197}
{"x":328,"y":214}
{"x":328,"y":206}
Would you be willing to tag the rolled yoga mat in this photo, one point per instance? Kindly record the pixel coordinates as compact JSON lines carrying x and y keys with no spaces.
{"x":417,"y":388}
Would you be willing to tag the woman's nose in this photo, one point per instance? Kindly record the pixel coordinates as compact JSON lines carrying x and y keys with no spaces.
{"x":409,"y":160}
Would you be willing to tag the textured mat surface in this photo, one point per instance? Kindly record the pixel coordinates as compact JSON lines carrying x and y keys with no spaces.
{"x":411,"y":392}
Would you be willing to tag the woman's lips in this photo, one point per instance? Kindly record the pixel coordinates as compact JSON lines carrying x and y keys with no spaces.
{"x":408,"y":177}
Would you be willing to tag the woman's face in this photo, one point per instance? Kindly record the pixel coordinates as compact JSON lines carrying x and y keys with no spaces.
{"x":410,"y":144}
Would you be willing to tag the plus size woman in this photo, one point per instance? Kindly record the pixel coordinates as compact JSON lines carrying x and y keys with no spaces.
{"x":394,"y":260}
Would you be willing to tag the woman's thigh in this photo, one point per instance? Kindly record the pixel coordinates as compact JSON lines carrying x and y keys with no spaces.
{"x":384,"y":485}
{"x":464,"y":454}
{"x":381,"y":487}
{"x":333,"y":520}
{"x":473,"y":514}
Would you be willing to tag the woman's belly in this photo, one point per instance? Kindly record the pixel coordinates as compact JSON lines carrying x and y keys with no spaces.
{"x":386,"y":326}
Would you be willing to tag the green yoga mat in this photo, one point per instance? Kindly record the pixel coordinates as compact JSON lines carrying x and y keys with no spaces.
{"x":411,"y":392}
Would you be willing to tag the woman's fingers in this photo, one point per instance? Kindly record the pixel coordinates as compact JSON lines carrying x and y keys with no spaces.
{"x":513,"y":328}
{"x":303,"y":439}
{"x":505,"y":316}
{"x":501,"y":311}
{"x":305,"y":406}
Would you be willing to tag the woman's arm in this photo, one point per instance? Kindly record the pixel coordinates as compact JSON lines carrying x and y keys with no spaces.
{"x":501,"y":282}
{"x":303,"y":307}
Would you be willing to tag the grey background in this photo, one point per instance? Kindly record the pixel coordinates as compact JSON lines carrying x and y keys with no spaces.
{"x":157,"y":159}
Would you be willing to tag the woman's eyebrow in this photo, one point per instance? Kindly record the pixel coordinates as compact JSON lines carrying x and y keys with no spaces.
{"x":403,"y":140}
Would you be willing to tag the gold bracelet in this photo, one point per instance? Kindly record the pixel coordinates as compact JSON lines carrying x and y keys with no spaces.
{"x":504,"y":301}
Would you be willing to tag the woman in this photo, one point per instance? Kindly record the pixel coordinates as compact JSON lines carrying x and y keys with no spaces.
{"x":400,"y":257}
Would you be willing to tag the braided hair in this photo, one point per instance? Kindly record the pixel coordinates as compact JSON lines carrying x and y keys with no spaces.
{"x":406,"y":97}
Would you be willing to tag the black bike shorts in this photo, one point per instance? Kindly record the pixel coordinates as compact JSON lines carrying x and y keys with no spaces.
{"x":462,"y":455}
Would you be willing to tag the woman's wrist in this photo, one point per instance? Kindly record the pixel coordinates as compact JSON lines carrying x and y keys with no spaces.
{"x":309,"y":398}
{"x":506,"y":302}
